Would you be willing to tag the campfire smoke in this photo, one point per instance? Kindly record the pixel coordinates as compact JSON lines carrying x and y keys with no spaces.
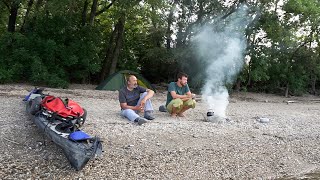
{"x":221,"y":48}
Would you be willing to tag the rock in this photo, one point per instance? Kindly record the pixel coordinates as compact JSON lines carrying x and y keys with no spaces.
{"x":195,"y":136}
{"x":129,"y":146}
{"x":263,"y":120}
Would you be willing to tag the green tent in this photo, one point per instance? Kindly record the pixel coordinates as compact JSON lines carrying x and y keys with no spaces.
{"x":118,"y":80}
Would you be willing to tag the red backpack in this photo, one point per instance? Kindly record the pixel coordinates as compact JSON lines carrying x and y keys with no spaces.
{"x":57,"y":106}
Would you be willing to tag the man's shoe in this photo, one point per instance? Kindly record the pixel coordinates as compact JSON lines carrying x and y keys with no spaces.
{"x":148,"y":115}
{"x":140,"y":120}
{"x":163,"y":108}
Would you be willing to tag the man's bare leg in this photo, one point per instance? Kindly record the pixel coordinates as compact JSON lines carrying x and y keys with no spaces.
{"x":174,"y":112}
{"x":180,"y":113}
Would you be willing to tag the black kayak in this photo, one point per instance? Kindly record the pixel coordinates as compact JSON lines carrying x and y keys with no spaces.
{"x":78,"y":153}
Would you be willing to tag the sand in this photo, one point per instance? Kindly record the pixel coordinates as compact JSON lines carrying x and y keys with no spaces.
{"x":168,"y":148}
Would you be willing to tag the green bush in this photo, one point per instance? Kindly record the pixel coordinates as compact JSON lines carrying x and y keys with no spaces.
{"x":48,"y":55}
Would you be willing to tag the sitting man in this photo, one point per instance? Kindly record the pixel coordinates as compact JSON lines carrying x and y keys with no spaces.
{"x":179,"y":97}
{"x":134,"y":99}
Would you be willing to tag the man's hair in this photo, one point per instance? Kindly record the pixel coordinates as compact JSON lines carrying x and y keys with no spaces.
{"x":181,"y":74}
{"x":128,"y":77}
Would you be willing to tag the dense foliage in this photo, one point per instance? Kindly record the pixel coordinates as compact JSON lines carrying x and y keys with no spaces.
{"x":56,"y":42}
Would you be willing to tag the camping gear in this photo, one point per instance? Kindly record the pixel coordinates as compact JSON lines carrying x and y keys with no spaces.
{"x":210,"y":116}
{"x":119,"y":79}
{"x":67,"y":111}
{"x":214,"y":118}
{"x":210,"y":113}
{"x":79,"y":136}
{"x":34,"y":93}
{"x":77,"y":152}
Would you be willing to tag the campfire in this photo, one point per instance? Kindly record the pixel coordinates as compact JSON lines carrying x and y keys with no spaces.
{"x":211,"y":117}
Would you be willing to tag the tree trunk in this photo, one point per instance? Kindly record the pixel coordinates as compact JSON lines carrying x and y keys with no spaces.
{"x":200,"y":14}
{"x":113,"y":50}
{"x":153,"y":20}
{"x":30,"y":3}
{"x":249,"y":74}
{"x":104,"y":9}
{"x":181,"y":34}
{"x":106,"y":63}
{"x":13,"y":15}
{"x":313,"y":85}
{"x":287,"y":91}
{"x":46,"y":9}
{"x":238,"y":85}
{"x":39,"y":3}
{"x":170,"y":20}
{"x":84,"y":13}
{"x":253,"y":41}
{"x":119,"y":42}
{"x":93,"y":11}
{"x":36,"y":13}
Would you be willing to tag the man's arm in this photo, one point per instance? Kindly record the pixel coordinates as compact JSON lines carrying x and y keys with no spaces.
{"x":184,"y":97}
{"x":148,"y":96}
{"x":135,"y":108}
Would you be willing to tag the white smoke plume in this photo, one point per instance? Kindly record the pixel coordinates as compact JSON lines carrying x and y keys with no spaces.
{"x":221,"y":49}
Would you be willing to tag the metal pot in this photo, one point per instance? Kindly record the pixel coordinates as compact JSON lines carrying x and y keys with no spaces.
{"x":210,"y":113}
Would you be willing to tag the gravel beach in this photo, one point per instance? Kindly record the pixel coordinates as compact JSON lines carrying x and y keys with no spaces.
{"x":167,"y":148}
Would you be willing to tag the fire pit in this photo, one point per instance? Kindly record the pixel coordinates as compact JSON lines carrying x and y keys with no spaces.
{"x":211,"y":117}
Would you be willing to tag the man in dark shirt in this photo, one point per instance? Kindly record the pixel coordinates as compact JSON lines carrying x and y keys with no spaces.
{"x":135,"y":99}
{"x":179,"y":97}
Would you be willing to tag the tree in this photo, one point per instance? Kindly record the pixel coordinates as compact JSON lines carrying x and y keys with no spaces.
{"x":13,"y":6}
{"x":60,"y":42}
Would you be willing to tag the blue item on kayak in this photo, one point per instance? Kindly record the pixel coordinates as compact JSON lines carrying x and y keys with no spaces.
{"x":28,"y":96}
{"x":79,"y":136}
{"x":34,"y":91}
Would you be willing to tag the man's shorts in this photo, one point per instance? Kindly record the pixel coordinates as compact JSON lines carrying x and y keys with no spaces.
{"x":179,"y":104}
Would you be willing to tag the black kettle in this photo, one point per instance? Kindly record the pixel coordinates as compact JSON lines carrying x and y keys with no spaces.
{"x":210,"y":113}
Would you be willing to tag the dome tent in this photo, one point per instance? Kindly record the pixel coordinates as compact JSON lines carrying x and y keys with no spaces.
{"x":118,"y":80}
